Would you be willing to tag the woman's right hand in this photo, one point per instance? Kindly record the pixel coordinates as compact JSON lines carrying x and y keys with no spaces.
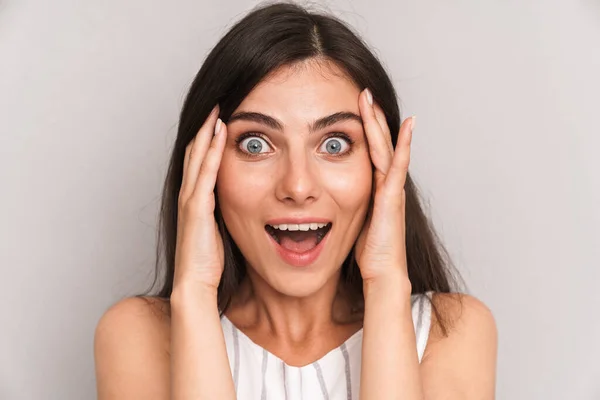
{"x":199,"y":257}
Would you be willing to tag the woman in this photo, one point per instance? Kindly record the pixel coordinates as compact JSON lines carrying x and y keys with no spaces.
{"x":300,"y":264}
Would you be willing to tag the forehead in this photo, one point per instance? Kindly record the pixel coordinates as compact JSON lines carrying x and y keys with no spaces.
{"x":305,"y":90}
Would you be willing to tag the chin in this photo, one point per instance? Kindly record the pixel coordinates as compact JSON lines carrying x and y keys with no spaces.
{"x":297,"y":289}
{"x":298,"y":282}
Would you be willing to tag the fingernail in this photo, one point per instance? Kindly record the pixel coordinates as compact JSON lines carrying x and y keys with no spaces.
{"x":369,"y":97}
{"x":218,"y":126}
{"x":413,"y":121}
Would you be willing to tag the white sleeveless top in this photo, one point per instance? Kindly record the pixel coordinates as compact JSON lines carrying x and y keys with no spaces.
{"x":260,"y":375}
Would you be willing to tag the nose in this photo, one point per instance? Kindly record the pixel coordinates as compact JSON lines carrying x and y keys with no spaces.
{"x":298,"y":181}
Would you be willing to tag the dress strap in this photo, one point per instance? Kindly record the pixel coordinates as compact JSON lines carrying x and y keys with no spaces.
{"x":421,"y":313}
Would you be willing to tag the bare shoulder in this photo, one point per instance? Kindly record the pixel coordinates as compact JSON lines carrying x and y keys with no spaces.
{"x":461,"y":352}
{"x":460,"y":314}
{"x":131,"y":350}
{"x":142,"y":314}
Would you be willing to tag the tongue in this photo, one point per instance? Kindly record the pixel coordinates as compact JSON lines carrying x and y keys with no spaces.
{"x":298,"y":241}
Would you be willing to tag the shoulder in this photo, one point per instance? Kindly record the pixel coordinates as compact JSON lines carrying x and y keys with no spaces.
{"x":462,"y":348}
{"x":139,"y":306}
{"x":460,"y":313}
{"x":134,"y":315}
{"x":457,"y":317}
{"x":131,"y":348}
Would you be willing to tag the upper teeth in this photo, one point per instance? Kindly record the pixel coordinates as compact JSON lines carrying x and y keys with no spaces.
{"x":298,"y":227}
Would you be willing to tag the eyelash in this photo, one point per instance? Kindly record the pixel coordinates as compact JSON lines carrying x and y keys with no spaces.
{"x":246,"y":135}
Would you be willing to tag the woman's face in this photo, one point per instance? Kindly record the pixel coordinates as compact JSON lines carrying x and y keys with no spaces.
{"x":288,"y":162}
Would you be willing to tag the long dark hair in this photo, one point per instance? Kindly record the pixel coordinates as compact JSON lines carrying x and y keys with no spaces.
{"x":269,"y":37}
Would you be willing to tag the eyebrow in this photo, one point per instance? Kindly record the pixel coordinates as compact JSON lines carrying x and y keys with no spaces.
{"x":273,"y":123}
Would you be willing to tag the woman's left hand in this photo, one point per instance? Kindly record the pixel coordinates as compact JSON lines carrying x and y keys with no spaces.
{"x":380,"y":249}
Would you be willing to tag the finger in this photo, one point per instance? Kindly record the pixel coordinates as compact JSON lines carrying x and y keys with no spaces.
{"x":196,"y":153}
{"x":207,"y":177}
{"x":380,"y":116}
{"x":188,"y":150}
{"x":185,"y":181}
{"x":378,"y":148}
{"x":399,"y":169}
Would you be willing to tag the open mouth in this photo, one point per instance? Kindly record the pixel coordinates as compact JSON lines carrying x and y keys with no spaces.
{"x":298,"y":241}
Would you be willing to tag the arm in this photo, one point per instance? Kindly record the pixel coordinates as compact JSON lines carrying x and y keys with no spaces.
{"x":199,"y":363}
{"x":131,"y":351}
{"x":141,"y":353}
{"x":140,"y":356}
{"x":390,"y":364}
{"x":459,"y":366}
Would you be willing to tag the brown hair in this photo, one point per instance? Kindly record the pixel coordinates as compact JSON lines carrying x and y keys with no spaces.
{"x":269,"y":37}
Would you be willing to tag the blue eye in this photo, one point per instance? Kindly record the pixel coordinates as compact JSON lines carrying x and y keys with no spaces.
{"x":335,"y":145}
{"x":254,"y":145}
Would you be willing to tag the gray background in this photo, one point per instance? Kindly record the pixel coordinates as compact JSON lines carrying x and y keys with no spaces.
{"x":505,"y":150}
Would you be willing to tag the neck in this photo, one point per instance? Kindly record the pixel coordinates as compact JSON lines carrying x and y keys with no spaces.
{"x":258,"y":304}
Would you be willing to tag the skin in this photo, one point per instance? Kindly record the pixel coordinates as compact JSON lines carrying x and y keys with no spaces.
{"x":141,"y":353}
{"x":280,"y":305}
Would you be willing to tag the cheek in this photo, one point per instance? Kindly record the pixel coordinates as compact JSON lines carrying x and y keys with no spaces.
{"x":240,"y":189}
{"x":350,"y":185}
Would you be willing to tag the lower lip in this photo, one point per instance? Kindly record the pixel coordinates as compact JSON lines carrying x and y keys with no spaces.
{"x":299,"y":259}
